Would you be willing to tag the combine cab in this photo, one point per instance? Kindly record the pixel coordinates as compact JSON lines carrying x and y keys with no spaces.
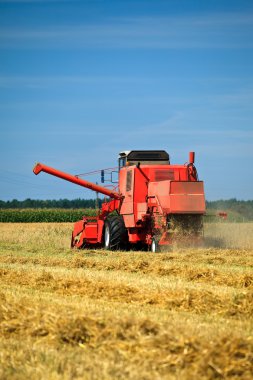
{"x":156,"y":204}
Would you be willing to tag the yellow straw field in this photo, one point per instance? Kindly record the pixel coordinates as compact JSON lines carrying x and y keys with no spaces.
{"x":94,"y":314}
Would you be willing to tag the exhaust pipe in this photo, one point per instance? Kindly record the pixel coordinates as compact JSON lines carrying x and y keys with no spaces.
{"x":191,"y":157}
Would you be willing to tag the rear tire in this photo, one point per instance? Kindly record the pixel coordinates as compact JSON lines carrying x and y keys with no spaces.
{"x":115,"y":233}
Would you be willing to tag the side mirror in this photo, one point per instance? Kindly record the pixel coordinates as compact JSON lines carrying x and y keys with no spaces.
{"x":102,"y":176}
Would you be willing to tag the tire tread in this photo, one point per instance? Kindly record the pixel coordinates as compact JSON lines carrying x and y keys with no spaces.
{"x":118,"y":232}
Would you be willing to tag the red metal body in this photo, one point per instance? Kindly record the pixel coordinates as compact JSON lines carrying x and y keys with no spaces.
{"x":223,"y":214}
{"x":153,"y":200}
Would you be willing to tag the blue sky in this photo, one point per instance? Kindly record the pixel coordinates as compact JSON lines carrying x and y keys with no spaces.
{"x":82,"y":80}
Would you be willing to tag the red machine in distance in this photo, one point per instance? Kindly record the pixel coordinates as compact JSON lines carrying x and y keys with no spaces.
{"x":156,"y":203}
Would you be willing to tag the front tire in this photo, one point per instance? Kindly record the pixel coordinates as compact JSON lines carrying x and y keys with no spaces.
{"x":115,"y":233}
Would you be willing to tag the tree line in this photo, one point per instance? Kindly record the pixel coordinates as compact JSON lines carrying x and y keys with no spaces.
{"x":60,"y":203}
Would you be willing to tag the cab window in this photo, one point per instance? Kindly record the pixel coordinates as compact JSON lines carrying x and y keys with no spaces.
{"x":122,"y":162}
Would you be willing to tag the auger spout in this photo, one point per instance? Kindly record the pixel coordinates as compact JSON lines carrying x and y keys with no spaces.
{"x":78,"y":181}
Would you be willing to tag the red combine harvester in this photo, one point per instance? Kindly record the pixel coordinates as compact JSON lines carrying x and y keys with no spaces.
{"x":156,"y":204}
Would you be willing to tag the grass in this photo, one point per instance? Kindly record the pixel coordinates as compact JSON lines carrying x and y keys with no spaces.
{"x":94,"y":314}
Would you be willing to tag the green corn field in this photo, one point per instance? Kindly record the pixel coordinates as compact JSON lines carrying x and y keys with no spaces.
{"x":44,"y":215}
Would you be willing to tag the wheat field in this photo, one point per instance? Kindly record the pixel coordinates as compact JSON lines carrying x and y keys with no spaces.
{"x":94,"y":314}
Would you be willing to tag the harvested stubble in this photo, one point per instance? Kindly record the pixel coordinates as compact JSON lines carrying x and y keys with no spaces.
{"x":206,"y":267}
{"x":112,"y":347}
{"x":101,"y":315}
{"x":168,"y":296}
